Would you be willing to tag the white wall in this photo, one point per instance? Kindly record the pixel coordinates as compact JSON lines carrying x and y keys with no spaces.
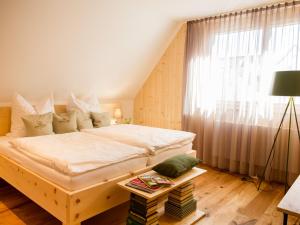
{"x":109,"y":46}
{"x":76,"y":45}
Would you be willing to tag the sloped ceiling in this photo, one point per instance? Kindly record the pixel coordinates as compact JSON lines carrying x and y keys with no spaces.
{"x":108,"y":46}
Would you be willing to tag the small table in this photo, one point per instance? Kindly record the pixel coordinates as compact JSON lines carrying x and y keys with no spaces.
{"x":290,"y":204}
{"x":179,"y":183}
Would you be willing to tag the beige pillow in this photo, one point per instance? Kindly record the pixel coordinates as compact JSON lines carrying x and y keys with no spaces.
{"x":64,"y":122}
{"x":84,"y":120}
{"x":38,"y":124}
{"x":100,"y":119}
{"x":21,"y":107}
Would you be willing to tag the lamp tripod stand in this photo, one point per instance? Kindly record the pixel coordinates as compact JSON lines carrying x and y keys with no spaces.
{"x":291,"y":106}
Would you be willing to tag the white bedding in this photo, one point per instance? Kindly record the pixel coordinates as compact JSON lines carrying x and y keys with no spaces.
{"x":75,"y":182}
{"x":163,"y":155}
{"x":152,"y":138}
{"x":78,"y":181}
{"x":75,"y":153}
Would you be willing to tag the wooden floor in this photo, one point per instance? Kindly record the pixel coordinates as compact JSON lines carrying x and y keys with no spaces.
{"x":224,"y":197}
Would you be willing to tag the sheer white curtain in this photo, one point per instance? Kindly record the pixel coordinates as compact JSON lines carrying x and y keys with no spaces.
{"x":230,"y":63}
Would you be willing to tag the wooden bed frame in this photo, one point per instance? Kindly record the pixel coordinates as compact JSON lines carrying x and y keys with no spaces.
{"x":70,"y":207}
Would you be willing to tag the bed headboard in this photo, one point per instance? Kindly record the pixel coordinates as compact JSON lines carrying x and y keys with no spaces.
{"x":5,"y":114}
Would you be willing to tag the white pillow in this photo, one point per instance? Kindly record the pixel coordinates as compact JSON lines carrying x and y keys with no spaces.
{"x":21,"y":107}
{"x":85,"y":104}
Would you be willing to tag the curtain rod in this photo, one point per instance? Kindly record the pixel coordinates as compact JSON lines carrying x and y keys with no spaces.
{"x":263,"y":8}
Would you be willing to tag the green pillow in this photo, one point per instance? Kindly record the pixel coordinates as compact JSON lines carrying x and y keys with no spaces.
{"x":65,"y":122}
{"x":100,"y":119}
{"x":38,"y":124}
{"x":84,"y":120}
{"x":176,"y":166}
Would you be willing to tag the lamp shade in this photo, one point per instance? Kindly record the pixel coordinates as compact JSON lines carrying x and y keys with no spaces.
{"x":286,"y":83}
{"x":118,"y":113}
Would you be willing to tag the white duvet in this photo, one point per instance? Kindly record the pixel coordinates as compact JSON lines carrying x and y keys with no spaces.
{"x":145,"y":137}
{"x":75,"y":153}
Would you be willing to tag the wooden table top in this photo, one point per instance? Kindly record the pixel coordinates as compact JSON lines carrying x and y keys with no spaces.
{"x":193,"y":173}
{"x":290,"y":203}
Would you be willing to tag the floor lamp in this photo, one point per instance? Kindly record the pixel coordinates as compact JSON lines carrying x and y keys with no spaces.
{"x":286,"y":83}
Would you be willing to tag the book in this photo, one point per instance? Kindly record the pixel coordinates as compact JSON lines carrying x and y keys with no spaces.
{"x":163,"y":181}
{"x":137,"y":203}
{"x":140,"y":188}
{"x":180,"y":198}
{"x":181,"y":215}
{"x":181,"y":194}
{"x":140,"y":185}
{"x":183,"y":186}
{"x":148,"y":218}
{"x":137,"y":208}
{"x":139,"y":182}
{"x":142,"y":200}
{"x":140,"y":205}
{"x":178,"y":202}
{"x":148,"y":180}
{"x":149,"y":183}
{"x":181,"y":191}
{"x":155,"y":180}
{"x":180,"y":212}
{"x":131,"y":221}
{"x":143,"y":220}
{"x":181,"y":203}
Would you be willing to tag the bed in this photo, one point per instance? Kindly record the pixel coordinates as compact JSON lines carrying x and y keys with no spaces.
{"x":64,"y":194}
{"x":66,"y":197}
{"x":73,"y":199}
{"x":80,"y":176}
{"x":155,"y":140}
{"x":160,"y":143}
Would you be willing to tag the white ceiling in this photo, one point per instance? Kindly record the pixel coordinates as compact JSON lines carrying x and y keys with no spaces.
{"x":109,"y":46}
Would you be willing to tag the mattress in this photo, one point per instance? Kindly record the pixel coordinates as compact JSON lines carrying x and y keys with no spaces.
{"x":75,"y":153}
{"x":153,"y":139}
{"x":103,"y":174}
{"x":75,"y":182}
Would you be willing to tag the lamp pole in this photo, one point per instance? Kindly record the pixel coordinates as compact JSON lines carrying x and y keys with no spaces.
{"x":288,"y":148}
{"x":272,"y":151}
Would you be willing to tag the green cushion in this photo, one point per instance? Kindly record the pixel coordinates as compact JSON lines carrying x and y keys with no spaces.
{"x":65,"y":122}
{"x":100,"y":119}
{"x":176,"y":166}
{"x":38,"y":124}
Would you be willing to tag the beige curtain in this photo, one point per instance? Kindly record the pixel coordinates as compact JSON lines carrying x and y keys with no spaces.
{"x":230,"y":63}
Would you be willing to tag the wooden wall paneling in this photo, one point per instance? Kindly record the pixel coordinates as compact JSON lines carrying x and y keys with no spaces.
{"x":4,"y":120}
{"x":159,"y":101}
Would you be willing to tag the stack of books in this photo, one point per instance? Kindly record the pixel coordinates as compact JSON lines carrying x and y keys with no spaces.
{"x":142,"y":211}
{"x":181,"y":201}
{"x":149,"y":183}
